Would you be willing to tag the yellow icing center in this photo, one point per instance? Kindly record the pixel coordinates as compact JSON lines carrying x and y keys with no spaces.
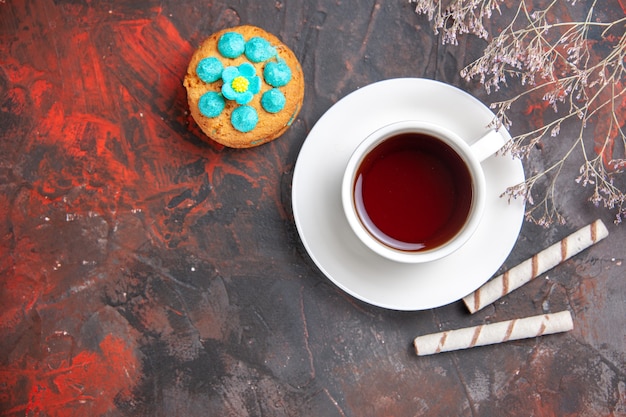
{"x":240,"y":84}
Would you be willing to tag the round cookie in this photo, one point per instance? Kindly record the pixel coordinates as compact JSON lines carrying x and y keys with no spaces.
{"x":244,"y":87}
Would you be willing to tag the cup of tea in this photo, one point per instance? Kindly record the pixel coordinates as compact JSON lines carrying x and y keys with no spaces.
{"x":414,"y":191}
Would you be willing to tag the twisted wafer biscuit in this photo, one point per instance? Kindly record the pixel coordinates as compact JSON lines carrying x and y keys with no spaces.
{"x":535,"y":266}
{"x":489,"y":334}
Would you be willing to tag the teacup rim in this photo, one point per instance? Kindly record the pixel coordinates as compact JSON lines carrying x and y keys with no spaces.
{"x":442,"y":133}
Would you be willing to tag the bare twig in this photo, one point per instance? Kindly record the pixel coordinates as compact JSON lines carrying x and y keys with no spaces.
{"x":559,"y":63}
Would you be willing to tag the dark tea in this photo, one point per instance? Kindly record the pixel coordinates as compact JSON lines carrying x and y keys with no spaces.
{"x":413,"y":192}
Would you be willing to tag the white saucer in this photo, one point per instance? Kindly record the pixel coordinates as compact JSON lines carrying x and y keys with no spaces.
{"x":324,"y":229}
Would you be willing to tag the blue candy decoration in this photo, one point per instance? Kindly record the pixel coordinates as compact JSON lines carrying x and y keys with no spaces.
{"x":211,"y":104}
{"x":244,"y":118}
{"x":259,"y":50}
{"x":273,"y":100}
{"x":231,"y":44}
{"x":209,"y":70}
{"x":277,"y":74}
{"x":247,"y":71}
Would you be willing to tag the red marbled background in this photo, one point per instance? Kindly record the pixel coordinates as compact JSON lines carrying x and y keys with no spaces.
{"x":145,"y":272}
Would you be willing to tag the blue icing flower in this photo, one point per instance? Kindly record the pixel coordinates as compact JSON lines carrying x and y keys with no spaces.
{"x":240,"y":83}
{"x":209,"y":70}
{"x":244,"y":118}
{"x":277,"y":74}
{"x":273,"y":100}
{"x":259,"y":50}
{"x":231,"y":45}
{"x":211,"y":104}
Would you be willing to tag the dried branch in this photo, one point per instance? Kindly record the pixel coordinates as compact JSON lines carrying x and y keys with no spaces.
{"x":558,"y":62}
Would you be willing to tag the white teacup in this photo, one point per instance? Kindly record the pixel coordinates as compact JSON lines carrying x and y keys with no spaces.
{"x":414,"y":191}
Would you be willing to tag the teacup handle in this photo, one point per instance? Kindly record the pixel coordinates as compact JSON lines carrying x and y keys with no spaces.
{"x":487,"y":145}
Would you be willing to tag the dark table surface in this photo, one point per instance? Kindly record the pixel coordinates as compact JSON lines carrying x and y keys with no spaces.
{"x":145,"y":272}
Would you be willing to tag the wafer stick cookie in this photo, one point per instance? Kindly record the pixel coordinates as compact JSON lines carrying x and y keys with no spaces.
{"x":489,"y":334}
{"x":535,"y":266}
